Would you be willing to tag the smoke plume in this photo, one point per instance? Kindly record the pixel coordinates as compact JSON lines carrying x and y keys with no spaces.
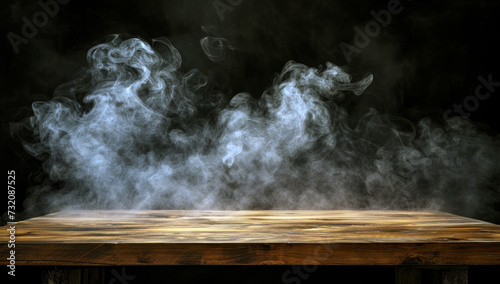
{"x":134,"y":132}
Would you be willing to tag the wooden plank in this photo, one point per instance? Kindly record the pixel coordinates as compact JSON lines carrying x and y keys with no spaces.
{"x":164,"y":237}
{"x":257,"y":254}
{"x":262,"y":226}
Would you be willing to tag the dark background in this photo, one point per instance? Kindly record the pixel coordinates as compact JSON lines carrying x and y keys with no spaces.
{"x":427,"y":59}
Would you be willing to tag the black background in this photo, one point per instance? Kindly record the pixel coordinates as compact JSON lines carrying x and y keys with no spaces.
{"x":427,"y":59}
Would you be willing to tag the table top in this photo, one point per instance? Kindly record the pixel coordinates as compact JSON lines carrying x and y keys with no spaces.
{"x":161,"y":237}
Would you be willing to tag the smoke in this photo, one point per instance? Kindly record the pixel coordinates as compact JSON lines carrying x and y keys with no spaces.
{"x":216,"y":48}
{"x":134,"y":132}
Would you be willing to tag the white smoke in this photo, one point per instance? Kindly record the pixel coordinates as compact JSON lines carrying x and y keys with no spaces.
{"x":136,"y":133}
{"x":215,"y":47}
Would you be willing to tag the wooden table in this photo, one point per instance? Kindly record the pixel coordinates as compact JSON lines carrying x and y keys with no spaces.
{"x":409,"y":240}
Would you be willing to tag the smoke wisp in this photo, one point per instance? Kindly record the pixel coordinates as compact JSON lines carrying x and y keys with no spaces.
{"x":136,"y":133}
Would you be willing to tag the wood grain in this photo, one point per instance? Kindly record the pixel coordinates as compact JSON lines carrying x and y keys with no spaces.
{"x":163,"y":237}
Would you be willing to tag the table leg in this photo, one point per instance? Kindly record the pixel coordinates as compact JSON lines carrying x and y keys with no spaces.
{"x":408,"y":275}
{"x":86,"y":275}
{"x":431,"y":275}
{"x":454,"y":276}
